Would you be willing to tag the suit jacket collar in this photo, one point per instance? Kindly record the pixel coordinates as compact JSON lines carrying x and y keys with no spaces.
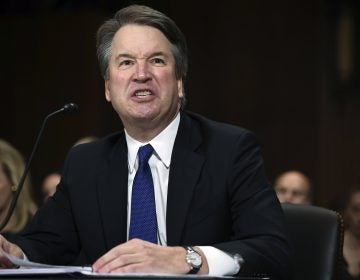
{"x":185,"y":168}
{"x":112,"y":187}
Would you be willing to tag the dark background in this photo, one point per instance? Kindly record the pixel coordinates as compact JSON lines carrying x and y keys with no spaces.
{"x":287,"y":70}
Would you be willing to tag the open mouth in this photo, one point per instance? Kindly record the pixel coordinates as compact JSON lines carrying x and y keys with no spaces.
{"x":143,"y":93}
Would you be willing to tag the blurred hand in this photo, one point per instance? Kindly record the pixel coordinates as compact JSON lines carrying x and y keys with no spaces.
{"x":10,"y":248}
{"x":137,"y":256}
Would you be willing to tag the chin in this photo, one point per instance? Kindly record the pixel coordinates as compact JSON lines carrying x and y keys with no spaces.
{"x":145,"y":116}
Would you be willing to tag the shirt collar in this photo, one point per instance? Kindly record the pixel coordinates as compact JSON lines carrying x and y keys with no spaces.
{"x":163,"y":144}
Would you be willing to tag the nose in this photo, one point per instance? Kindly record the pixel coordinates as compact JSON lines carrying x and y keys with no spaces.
{"x":142,"y":73}
{"x":287,"y":197}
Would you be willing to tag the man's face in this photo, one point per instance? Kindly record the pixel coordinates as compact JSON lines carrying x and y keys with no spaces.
{"x":292,"y":188}
{"x":142,"y":85}
{"x":352,"y":214}
{"x":49,"y":184}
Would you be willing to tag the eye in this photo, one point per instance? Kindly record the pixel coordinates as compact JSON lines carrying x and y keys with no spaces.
{"x":280,"y":190}
{"x":126,"y":63}
{"x":158,"y":61}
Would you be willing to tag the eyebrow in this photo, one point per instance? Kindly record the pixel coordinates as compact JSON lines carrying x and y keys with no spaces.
{"x":126,"y":55}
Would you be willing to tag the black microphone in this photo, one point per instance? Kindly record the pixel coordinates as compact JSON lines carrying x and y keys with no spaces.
{"x":66,"y":109}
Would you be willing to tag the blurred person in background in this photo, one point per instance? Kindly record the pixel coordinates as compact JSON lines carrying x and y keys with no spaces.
{"x":12,"y":165}
{"x":351,"y":249}
{"x":98,"y":205}
{"x":293,"y":187}
{"x":49,"y":183}
{"x":86,"y":139}
{"x":52,"y":179}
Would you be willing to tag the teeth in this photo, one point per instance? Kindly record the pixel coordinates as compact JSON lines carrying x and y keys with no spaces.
{"x":143,"y":93}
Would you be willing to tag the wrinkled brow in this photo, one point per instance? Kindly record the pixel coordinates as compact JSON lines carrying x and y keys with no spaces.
{"x":127,"y":55}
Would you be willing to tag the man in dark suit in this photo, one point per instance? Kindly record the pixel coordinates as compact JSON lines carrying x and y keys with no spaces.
{"x":207,"y":181}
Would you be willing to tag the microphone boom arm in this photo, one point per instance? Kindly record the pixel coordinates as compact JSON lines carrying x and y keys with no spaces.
{"x":68,"y":108}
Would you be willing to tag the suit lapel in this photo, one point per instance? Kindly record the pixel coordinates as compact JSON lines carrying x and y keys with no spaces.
{"x":112,"y":189}
{"x":185,"y":169}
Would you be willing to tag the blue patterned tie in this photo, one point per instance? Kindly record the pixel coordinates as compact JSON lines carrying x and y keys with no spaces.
{"x":143,"y":223}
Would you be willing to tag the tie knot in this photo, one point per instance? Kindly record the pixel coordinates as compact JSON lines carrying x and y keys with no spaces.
{"x":145,"y":153}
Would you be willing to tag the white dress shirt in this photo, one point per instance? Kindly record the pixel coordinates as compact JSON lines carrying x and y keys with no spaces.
{"x":219,"y":262}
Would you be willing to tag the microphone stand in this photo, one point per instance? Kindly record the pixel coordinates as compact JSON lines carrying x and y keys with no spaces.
{"x":68,"y":108}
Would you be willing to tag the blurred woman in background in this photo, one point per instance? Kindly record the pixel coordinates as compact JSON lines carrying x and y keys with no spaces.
{"x":352,"y":233}
{"x":12,"y":166}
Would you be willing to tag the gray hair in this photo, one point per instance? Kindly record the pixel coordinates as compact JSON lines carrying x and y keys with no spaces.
{"x":142,"y":15}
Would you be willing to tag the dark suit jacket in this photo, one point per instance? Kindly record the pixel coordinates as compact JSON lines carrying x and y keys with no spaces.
{"x":218,"y":195}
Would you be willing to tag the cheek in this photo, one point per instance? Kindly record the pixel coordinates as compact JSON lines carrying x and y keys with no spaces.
{"x":5,"y":192}
{"x":280,"y":194}
{"x":350,"y":219}
{"x":118,"y":79}
{"x":165,"y":76}
{"x":115,"y":88}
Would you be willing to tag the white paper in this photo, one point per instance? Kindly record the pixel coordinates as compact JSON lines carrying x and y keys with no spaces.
{"x":27,"y":267}
{"x":33,"y":268}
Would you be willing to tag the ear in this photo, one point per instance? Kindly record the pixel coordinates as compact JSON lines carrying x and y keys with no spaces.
{"x":107,"y":91}
{"x":180,"y":88}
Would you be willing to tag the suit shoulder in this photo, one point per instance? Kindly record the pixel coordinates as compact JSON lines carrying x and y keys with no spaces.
{"x":98,"y":148}
{"x":220,"y":129}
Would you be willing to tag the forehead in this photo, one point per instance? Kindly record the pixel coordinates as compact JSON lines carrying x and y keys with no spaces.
{"x":292,"y":180}
{"x":140,"y":40}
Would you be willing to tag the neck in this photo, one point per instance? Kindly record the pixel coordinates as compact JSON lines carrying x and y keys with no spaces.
{"x":147,"y":131}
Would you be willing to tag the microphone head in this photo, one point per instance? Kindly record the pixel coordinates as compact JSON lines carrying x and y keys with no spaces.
{"x":70,"y":108}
